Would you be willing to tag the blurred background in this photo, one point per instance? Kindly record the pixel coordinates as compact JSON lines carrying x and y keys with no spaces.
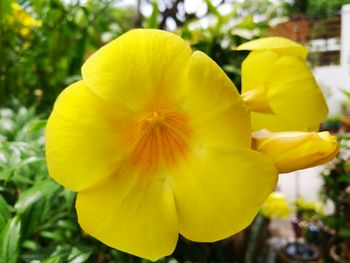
{"x":43,"y":44}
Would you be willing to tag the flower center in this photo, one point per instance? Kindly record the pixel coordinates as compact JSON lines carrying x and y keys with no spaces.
{"x":159,"y":136}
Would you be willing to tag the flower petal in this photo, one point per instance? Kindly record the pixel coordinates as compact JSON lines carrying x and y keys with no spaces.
{"x":219,"y":193}
{"x":216,"y":113}
{"x":141,"y":67}
{"x":81,"y":140}
{"x":132,"y":212}
{"x":256,"y":68}
{"x":278,"y":44}
{"x":275,"y":123}
{"x":294,"y":94}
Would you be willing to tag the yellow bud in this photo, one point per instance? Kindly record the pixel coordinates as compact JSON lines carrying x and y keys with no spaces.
{"x":293,"y":151}
{"x":276,"y":79}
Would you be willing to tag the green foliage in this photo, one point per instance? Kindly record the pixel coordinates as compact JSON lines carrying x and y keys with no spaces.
{"x":317,"y":8}
{"x":10,"y":241}
{"x":307,"y":210}
{"x":152,"y":21}
{"x":325,"y":7}
{"x":336,"y":186}
{"x":44,"y":43}
{"x":38,"y":61}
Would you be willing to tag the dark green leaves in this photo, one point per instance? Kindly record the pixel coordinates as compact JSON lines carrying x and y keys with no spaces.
{"x":10,"y":241}
{"x":5,"y":213}
{"x":34,"y":194}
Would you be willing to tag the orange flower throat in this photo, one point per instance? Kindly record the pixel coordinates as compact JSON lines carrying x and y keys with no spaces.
{"x":159,"y":136}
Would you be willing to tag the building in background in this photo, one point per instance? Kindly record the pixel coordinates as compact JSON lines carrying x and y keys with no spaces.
{"x":335,"y":78}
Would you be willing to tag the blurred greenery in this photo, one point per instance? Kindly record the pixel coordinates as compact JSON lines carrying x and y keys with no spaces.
{"x":43,"y":43}
{"x":336,"y":190}
{"x":37,"y":62}
{"x":314,"y":8}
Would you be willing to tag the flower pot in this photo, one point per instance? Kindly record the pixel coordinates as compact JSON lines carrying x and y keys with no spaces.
{"x":340,"y":253}
{"x":298,"y":253}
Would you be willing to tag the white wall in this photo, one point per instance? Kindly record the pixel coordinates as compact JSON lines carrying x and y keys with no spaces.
{"x":345,"y":38}
{"x":305,"y":183}
{"x":333,"y":79}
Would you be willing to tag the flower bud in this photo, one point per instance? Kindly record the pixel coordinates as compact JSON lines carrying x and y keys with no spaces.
{"x":293,"y":151}
{"x":276,"y":79}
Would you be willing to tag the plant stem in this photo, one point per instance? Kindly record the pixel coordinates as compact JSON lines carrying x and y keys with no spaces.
{"x":253,"y":239}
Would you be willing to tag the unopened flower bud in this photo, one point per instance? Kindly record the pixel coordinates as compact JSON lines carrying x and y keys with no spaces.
{"x":293,"y":151}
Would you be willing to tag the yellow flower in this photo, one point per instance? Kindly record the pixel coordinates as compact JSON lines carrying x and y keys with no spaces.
{"x":291,"y":151}
{"x":308,"y":206}
{"x":23,"y":20}
{"x":275,"y":206}
{"x":278,"y":87}
{"x":156,"y":141}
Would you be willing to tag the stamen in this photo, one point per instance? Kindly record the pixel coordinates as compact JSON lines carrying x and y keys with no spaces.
{"x":159,"y":137}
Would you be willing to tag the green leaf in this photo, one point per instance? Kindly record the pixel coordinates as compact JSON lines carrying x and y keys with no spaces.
{"x":31,"y":130}
{"x":247,"y":23}
{"x":212,"y":9}
{"x":232,"y":69}
{"x":344,"y":178}
{"x":5,"y":7}
{"x":30,"y":245}
{"x":34,"y":194}
{"x":152,"y":21}
{"x":34,"y":216}
{"x":232,"y":13}
{"x":346,"y":93}
{"x":5,"y":212}
{"x":79,"y":255}
{"x":10,"y":240}
{"x":69,"y":198}
{"x":37,"y":125}
{"x":344,"y":232}
{"x":55,"y":259}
